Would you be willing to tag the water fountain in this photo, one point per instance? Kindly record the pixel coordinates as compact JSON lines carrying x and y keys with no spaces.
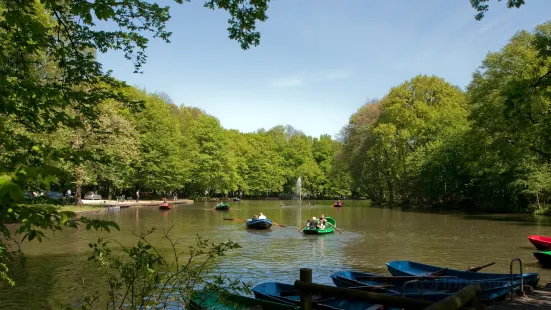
{"x":298,"y":189}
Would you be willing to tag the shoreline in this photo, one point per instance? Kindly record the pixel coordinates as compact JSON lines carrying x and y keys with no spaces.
{"x":104,"y":205}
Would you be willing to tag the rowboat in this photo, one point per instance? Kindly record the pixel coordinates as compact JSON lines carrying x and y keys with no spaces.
{"x":328,"y":228}
{"x":287,"y":294}
{"x":433,"y":289}
{"x":259,"y":224}
{"x":338,"y":204}
{"x":540,"y":242}
{"x":408,"y":268}
{"x":215,"y":300}
{"x":222,"y":206}
{"x":544,"y":257}
{"x":165,"y":206}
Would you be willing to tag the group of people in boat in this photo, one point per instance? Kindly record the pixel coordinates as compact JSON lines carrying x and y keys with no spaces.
{"x":259,"y":217}
{"x":317,"y":224}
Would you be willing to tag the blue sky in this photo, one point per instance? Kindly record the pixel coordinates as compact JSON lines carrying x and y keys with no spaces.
{"x":319,"y":60}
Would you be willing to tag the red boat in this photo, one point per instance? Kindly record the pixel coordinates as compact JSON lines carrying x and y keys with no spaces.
{"x":338,"y":204}
{"x":540,"y":242}
{"x":165,"y":206}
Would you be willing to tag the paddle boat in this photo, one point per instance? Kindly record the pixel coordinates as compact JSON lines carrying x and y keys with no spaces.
{"x":328,"y":228}
{"x":215,"y":300}
{"x":542,"y":243}
{"x":288,"y":294}
{"x":222,"y":206}
{"x":258,"y":223}
{"x":544,"y":257}
{"x":338,"y":204}
{"x":408,"y":268}
{"x":430,"y":288}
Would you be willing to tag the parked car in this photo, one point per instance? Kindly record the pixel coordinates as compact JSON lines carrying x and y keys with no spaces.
{"x":55,"y":195}
{"x":92,"y":196}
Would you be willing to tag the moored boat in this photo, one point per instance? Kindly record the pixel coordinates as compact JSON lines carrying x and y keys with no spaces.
{"x":165,"y":206}
{"x":258,"y":223}
{"x":544,"y":257}
{"x":222,"y":206}
{"x":431,"y":288}
{"x":328,"y":228}
{"x":215,"y":300}
{"x":542,"y":243}
{"x":408,"y":268}
{"x":287,"y":294}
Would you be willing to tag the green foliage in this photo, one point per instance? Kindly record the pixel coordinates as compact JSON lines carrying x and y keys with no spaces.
{"x":66,"y":121}
{"x":482,"y":7}
{"x":390,"y":142}
{"x":143,"y":278}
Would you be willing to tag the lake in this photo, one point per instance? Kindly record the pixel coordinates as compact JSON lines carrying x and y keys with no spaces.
{"x":58,"y":271}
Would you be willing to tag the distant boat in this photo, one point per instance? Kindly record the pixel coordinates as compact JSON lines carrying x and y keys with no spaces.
{"x":259,"y":224}
{"x":222,"y":206}
{"x":236,"y":199}
{"x":408,"y":268}
{"x":165,"y":206}
{"x":338,"y":204}
{"x":540,"y":242}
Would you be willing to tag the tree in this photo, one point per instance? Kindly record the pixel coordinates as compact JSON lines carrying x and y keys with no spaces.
{"x":50,"y":79}
{"x":511,"y":123}
{"x":481,"y":6}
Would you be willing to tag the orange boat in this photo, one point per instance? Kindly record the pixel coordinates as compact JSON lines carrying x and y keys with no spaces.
{"x":165,"y":206}
{"x":338,"y":204}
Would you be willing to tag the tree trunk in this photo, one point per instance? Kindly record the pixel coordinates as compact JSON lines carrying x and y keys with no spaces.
{"x":79,"y":174}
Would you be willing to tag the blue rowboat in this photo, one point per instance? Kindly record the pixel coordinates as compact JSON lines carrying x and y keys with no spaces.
{"x":259,"y":224}
{"x":432,"y":289}
{"x":287,"y":294}
{"x":408,"y":268}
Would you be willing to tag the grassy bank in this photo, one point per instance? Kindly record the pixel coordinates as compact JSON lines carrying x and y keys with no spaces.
{"x":84,"y":208}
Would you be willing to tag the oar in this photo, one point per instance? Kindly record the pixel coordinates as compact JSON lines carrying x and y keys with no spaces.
{"x":232,"y":219}
{"x":276,"y":224}
{"x":302,"y":227}
{"x":475,"y":269}
{"x":335,"y":227}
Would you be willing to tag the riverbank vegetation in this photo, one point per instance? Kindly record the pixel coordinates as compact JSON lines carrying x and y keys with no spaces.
{"x":429,"y":143}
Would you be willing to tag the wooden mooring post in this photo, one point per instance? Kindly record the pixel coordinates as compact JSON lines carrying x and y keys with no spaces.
{"x":305,"y":297}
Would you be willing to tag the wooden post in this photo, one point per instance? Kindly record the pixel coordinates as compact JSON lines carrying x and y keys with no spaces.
{"x":459,"y":299}
{"x":305,"y":297}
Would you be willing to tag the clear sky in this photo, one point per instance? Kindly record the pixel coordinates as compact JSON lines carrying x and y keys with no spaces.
{"x":319,"y":60}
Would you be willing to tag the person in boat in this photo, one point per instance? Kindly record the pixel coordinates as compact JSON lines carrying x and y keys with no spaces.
{"x":255,"y":217}
{"x":323,"y":220}
{"x":314,"y":223}
{"x":262,"y":216}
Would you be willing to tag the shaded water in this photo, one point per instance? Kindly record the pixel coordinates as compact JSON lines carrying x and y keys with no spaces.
{"x":57,"y":270}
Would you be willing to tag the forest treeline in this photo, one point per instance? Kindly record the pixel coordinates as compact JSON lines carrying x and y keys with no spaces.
{"x":165,"y":149}
{"x":429,"y":143}
{"x":425,"y":143}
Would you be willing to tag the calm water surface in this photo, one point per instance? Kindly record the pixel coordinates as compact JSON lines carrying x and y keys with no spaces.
{"x":58,"y":271}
